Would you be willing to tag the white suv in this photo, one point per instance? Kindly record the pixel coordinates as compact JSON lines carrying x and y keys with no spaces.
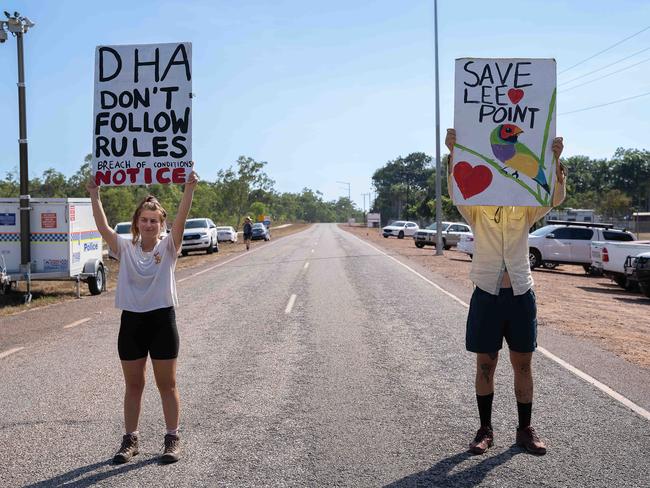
{"x":570,"y":243}
{"x":400,"y":228}
{"x":200,"y":235}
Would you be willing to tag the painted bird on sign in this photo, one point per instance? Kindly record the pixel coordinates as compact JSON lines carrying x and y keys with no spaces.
{"x":516,"y":155}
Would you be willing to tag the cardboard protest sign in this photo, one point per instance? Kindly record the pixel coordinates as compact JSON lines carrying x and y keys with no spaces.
{"x":142,"y":114}
{"x":504,"y":116}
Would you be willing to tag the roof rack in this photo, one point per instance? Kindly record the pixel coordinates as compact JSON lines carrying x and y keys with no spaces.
{"x":580,"y":224}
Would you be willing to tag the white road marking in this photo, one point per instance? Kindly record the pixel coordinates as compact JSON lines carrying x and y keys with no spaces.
{"x":307,"y":265}
{"x":581,"y":374}
{"x":78,"y":322}
{"x":292,"y":300}
{"x":244,"y":253}
{"x":601,"y":386}
{"x":10,"y":351}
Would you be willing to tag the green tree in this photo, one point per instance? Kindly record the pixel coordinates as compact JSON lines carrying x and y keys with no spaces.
{"x":614,"y":203}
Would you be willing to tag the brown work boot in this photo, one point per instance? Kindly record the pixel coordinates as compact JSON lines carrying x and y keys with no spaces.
{"x":128,"y":449}
{"x":484,"y":439}
{"x":172,"y":451}
{"x":529,"y":440}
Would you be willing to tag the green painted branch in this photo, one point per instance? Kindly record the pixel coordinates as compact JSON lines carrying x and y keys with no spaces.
{"x":551,"y":109}
{"x":496,"y":166}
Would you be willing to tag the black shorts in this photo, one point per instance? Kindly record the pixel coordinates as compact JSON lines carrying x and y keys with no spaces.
{"x":153,"y":333}
{"x":493,"y":317}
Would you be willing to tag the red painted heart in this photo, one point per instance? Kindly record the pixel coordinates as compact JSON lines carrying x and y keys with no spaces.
{"x":471,"y":180}
{"x":515,"y":94}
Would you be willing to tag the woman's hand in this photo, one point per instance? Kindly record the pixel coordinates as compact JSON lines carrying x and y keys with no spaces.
{"x":92,"y":187}
{"x":191,"y":181}
{"x":450,"y":140}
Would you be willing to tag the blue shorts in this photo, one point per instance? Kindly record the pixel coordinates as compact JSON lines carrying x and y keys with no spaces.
{"x":493,"y":317}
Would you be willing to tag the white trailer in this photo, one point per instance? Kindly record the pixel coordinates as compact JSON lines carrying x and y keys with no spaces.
{"x":64,"y":242}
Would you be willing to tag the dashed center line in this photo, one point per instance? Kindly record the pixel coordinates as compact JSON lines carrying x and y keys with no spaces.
{"x":10,"y":351}
{"x":78,"y":322}
{"x":307,"y":265}
{"x":292,"y":300}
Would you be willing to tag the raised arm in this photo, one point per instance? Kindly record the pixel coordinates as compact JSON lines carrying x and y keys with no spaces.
{"x":559,"y":190}
{"x":108,"y":234}
{"x":184,"y":210}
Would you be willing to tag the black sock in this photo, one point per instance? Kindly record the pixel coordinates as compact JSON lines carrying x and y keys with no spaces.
{"x":524,"y":412}
{"x":485,"y":409}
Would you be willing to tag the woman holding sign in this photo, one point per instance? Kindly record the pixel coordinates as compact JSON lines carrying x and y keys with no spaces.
{"x":146,"y":294}
{"x":503,"y":303}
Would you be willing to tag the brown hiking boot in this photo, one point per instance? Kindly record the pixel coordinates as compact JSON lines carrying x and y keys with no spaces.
{"x":484,"y":439}
{"x":128,"y":449}
{"x":172,"y":451}
{"x":529,"y":440}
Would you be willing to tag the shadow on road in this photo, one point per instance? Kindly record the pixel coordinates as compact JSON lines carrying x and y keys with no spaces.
{"x":68,"y":479}
{"x":439,"y":474}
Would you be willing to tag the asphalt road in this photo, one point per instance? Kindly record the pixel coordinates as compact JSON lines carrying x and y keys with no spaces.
{"x":361,"y":379}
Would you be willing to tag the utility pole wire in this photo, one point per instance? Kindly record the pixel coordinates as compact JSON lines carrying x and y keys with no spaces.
{"x":604,"y":50}
{"x":604,"y":76}
{"x":604,"y":67}
{"x":605,"y":104}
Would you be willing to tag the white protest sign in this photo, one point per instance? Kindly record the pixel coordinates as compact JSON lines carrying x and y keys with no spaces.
{"x":504,"y":116}
{"x":142,"y":114}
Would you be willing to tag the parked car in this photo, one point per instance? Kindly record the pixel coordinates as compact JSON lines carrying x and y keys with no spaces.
{"x":226,"y":233}
{"x":609,"y":258}
{"x":451,"y":233}
{"x":260,"y":231}
{"x":466,"y":244}
{"x":637,"y":270}
{"x":400,"y":228}
{"x":123,"y":231}
{"x":570,"y":243}
{"x":200,"y":235}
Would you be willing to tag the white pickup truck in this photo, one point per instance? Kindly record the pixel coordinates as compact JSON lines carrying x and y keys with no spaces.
{"x":564,"y":242}
{"x":608,"y":258}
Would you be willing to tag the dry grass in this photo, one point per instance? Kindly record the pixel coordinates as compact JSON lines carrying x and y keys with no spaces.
{"x":49,"y":292}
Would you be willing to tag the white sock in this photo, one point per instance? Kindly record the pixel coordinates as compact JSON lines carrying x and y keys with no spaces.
{"x":172,"y":431}
{"x":134,"y":433}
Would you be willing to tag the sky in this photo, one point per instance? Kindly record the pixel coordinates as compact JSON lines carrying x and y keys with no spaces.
{"x":325,"y":91}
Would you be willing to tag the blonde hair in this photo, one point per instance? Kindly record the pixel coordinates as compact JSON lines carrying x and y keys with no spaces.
{"x":149,"y":203}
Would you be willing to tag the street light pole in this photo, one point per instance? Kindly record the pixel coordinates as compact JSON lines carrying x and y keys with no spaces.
{"x":349,"y":196}
{"x":18,"y":26}
{"x":364,"y":195}
{"x":438,"y":165}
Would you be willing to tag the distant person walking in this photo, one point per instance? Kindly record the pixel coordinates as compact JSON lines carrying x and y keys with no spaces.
{"x":146,"y":294}
{"x":248,"y":232}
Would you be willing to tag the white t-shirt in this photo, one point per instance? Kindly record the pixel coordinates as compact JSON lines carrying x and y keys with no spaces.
{"x":146,"y":279}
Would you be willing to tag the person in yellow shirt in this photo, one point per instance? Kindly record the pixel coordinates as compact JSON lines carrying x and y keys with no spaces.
{"x":503,"y":304}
